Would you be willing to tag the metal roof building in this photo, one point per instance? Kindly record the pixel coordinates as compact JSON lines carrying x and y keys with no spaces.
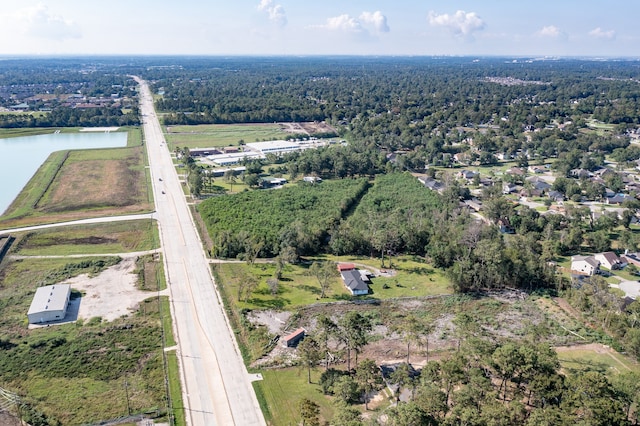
{"x":49,"y":303}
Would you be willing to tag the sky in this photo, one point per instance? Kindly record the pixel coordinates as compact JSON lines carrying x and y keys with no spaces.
{"x":592,"y":28}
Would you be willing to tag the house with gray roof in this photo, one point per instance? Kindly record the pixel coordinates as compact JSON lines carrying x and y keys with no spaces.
{"x":585,"y":265}
{"x":354,"y":282}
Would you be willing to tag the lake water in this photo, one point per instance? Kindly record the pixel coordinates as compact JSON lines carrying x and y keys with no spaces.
{"x":21,"y":157}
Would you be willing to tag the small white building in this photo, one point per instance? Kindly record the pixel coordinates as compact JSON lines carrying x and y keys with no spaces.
{"x":49,"y":303}
{"x":587,"y":265}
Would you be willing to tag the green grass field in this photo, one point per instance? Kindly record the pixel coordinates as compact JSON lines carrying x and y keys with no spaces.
{"x":114,"y":237}
{"x":220,"y":135}
{"x":283,"y":389}
{"x":413,"y":278}
{"x":175,"y":390}
{"x":297,"y":288}
{"x":596,"y":358}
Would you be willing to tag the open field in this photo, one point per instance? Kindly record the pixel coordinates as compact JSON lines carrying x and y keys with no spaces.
{"x":220,"y":135}
{"x":282,"y":404}
{"x":91,"y":360}
{"x":116,"y":237}
{"x":297,"y":288}
{"x":79,"y":184}
{"x":408,"y":277}
{"x":595,"y":357}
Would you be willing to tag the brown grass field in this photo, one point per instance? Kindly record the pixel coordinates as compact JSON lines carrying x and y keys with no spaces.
{"x":95,"y":184}
{"x":88,"y":184}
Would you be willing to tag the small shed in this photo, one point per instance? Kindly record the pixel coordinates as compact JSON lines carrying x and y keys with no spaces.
{"x":346,"y":266}
{"x":49,"y":303}
{"x":291,"y":340}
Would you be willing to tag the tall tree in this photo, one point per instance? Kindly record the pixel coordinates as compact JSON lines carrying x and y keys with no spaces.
{"x":324,"y":273}
{"x":310,"y":353}
{"x":309,"y":411}
{"x":369,"y":378}
{"x":354,"y":332}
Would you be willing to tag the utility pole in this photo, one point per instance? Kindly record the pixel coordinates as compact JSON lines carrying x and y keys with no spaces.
{"x":126,"y":391}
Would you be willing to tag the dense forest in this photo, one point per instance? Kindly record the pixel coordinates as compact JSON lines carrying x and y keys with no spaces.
{"x":267,"y":222}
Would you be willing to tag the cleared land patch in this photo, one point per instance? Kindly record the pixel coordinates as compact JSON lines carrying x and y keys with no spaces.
{"x":594,"y":357}
{"x":220,"y":135}
{"x":96,"y":183}
{"x":110,"y":294}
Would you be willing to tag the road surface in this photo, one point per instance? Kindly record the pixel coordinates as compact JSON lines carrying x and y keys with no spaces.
{"x":216,"y":386}
{"x":80,"y":222}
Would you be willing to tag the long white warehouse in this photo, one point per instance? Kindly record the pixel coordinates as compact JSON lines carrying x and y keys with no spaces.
{"x":49,"y":303}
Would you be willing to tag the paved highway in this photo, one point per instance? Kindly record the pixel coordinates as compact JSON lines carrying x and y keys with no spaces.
{"x":216,"y":386}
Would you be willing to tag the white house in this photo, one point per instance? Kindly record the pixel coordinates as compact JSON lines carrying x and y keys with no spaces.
{"x":609,"y":260}
{"x":354,"y":280}
{"x":587,"y":265}
{"x":49,"y":303}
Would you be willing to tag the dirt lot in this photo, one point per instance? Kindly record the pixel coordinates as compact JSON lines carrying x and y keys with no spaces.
{"x":111,"y":294}
{"x":504,"y":315}
{"x":308,"y":127}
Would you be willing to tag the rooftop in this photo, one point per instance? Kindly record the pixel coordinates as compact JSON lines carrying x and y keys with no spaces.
{"x":50,"y":298}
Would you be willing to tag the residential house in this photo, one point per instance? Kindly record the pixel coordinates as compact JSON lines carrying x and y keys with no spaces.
{"x":536,"y":169}
{"x":516,"y":171}
{"x":556,"y":196}
{"x":354,"y":282}
{"x":272,"y":182}
{"x":474,"y":204}
{"x":618,"y":199}
{"x":467,"y":174}
{"x":538,"y":184}
{"x":580,"y":173}
{"x":486,"y":182}
{"x":508,"y":188}
{"x":585,"y":265}
{"x":603,"y":171}
{"x":353,"y":279}
{"x":431,"y":183}
{"x":528,"y":192}
{"x":505,"y":226}
{"x":609,"y":260}
{"x":312,"y":179}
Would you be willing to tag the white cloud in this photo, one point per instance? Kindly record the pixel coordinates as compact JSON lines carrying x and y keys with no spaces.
{"x":275,"y":12}
{"x":551,"y":31}
{"x":602,"y":34}
{"x":364,"y":25}
{"x":461,"y":23}
{"x":344,"y":23}
{"x":38,"y":21}
{"x":375,"y":19}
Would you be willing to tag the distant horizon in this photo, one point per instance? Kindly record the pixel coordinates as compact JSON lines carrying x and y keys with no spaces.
{"x":327,"y":55}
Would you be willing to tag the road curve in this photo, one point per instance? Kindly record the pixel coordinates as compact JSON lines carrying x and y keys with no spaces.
{"x":217,"y":389}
